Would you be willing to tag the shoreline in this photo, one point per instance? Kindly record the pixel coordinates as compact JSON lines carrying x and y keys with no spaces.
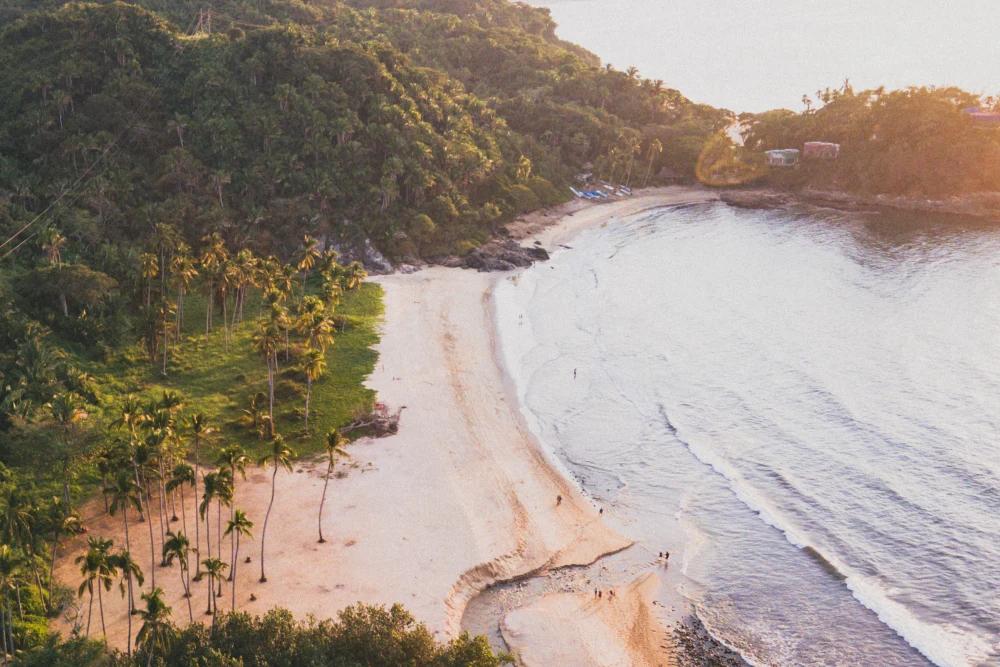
{"x":462,"y":497}
{"x":984,"y":206}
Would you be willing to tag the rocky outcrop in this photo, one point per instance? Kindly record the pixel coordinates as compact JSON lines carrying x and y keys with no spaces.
{"x":501,"y":256}
{"x":760,"y":199}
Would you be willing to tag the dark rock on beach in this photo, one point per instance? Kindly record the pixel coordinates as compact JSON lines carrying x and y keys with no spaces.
{"x":759,"y":199}
{"x":502,"y":256}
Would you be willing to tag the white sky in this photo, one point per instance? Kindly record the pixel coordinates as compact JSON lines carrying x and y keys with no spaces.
{"x":753,"y":55}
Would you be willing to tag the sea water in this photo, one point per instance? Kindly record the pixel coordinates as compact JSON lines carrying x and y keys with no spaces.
{"x":802,"y":406}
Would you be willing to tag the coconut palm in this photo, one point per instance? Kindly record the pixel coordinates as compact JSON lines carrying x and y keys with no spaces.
{"x":214,"y":567}
{"x":306,"y":258}
{"x":654,"y":149}
{"x":178,"y":546}
{"x":313,"y":365}
{"x":124,"y":493}
{"x":200,"y":431}
{"x":180,"y":476}
{"x":96,"y":566}
{"x":62,"y":522}
{"x":127,"y":569}
{"x":155,"y":632}
{"x":213,"y":258}
{"x":66,"y":411}
{"x":351,"y":278}
{"x":280,"y":456}
{"x":211,"y":484}
{"x":143,"y":463}
{"x":51,"y":241}
{"x":334,"y":447}
{"x":150,"y":268}
{"x":234,"y":459}
{"x":266,"y":340}
{"x":182,"y":273}
{"x":255,"y":416}
{"x":239,"y":526}
{"x":223,"y":496}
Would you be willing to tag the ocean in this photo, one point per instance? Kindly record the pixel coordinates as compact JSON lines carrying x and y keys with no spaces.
{"x":801,"y":406}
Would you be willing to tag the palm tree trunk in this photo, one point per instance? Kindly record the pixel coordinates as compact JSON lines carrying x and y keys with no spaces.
{"x":128,"y":548}
{"x":648,"y":170}
{"x":166,"y":343}
{"x":187,"y":593}
{"x":100,"y":604}
{"x":10,"y":622}
{"x":232,"y":570}
{"x":128,"y":642}
{"x":184,"y":520}
{"x":152,"y":545}
{"x":20,"y":609}
{"x":323,"y":500}
{"x":270,"y":398}
{"x":197,"y":518}
{"x":52,"y":564}
{"x":211,"y":594}
{"x":263,"y":532}
{"x":308,"y":392}
{"x":225,"y":322}
{"x":232,"y":536}
{"x":3,"y":631}
{"x":90,"y":611}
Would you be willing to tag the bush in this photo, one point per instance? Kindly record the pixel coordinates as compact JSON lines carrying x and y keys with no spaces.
{"x":287,"y":390}
{"x":524,"y":199}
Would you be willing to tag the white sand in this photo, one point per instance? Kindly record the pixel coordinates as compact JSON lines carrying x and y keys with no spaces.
{"x":583,"y":630}
{"x":461,"y":497}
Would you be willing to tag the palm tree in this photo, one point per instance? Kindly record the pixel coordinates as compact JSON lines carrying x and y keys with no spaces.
{"x":63,"y":523}
{"x":352,"y":277}
{"x":239,"y":525}
{"x":97,"y":565}
{"x":200,"y":430}
{"x":128,"y":568}
{"x":306,"y":257}
{"x":124,"y":492}
{"x":211,"y":486}
{"x":233,"y":458}
{"x":11,"y":574}
{"x":178,"y":546}
{"x":255,"y":415}
{"x":66,"y":412}
{"x":142,"y":461}
{"x":280,"y":456}
{"x":335,"y":442}
{"x":155,"y":631}
{"x":266,"y":340}
{"x":183,"y":273}
{"x":150,"y":268}
{"x":654,"y":149}
{"x":181,"y":475}
{"x":314,"y":365}
{"x":223,"y":496}
{"x":51,"y":241}
{"x":214,"y":567}
{"x":213,"y":258}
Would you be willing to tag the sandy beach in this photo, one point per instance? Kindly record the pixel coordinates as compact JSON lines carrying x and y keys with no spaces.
{"x":462,"y":497}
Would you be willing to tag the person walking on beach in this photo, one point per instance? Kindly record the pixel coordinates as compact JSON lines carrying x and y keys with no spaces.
{"x":558,"y":500}
{"x":574,"y":373}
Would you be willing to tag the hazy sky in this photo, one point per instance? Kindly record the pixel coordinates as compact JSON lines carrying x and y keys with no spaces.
{"x":752,"y":55}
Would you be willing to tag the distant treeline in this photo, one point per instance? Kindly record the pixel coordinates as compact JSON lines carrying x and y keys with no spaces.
{"x":915,"y":142}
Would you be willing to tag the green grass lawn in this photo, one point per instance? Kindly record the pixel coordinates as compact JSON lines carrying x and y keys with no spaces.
{"x":220,"y":383}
